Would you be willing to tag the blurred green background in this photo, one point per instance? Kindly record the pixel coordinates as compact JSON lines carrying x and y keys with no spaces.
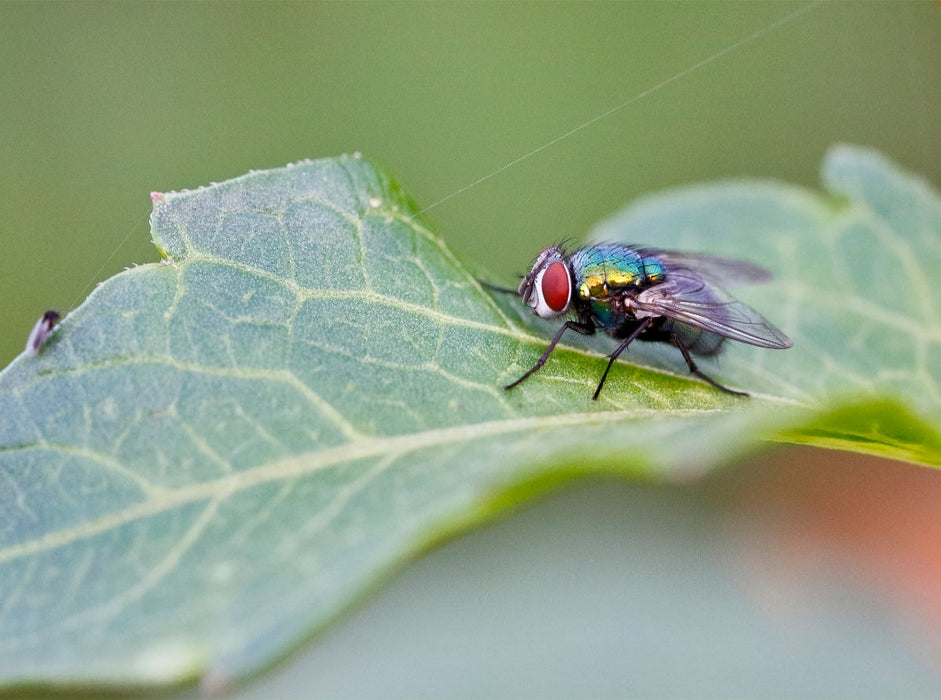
{"x":102,"y":103}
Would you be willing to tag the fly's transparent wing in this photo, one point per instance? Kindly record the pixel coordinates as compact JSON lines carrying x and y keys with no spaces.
{"x":725,"y":272}
{"x":689,"y":298}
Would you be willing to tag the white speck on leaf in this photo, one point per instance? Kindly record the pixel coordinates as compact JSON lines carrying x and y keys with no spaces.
{"x":169,"y":661}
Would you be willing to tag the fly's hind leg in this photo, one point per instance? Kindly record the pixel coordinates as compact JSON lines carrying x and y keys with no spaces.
{"x":702,"y":375}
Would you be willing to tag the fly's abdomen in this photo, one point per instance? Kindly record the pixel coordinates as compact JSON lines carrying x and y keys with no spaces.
{"x":696,"y":340}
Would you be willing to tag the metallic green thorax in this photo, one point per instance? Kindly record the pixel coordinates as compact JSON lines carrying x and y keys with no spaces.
{"x":603,"y":271}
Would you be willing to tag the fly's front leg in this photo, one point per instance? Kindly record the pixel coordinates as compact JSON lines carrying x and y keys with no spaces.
{"x":583,"y":328}
{"x":497,"y":288}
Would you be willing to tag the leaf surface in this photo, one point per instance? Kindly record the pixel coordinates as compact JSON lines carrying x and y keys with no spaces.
{"x":211,"y":458}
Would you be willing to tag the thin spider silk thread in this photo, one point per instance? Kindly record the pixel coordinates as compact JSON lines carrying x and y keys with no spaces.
{"x":777,"y":24}
{"x":686,"y":71}
{"x":114,"y":252}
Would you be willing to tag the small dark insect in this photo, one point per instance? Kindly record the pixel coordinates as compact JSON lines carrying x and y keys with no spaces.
{"x":40,"y":332}
{"x":648,"y":294}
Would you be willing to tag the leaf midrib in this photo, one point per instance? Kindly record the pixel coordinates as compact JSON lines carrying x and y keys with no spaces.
{"x":511,"y":331}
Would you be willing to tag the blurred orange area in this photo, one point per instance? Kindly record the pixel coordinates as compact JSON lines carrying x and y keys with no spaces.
{"x":814,"y":525}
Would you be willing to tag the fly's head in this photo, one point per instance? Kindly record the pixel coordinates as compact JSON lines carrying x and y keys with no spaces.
{"x":547,"y":289}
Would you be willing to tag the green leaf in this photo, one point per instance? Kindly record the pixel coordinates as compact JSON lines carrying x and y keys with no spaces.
{"x":213,"y":457}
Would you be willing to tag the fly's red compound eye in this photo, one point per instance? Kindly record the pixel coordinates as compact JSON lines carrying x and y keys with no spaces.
{"x":556,"y":286}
